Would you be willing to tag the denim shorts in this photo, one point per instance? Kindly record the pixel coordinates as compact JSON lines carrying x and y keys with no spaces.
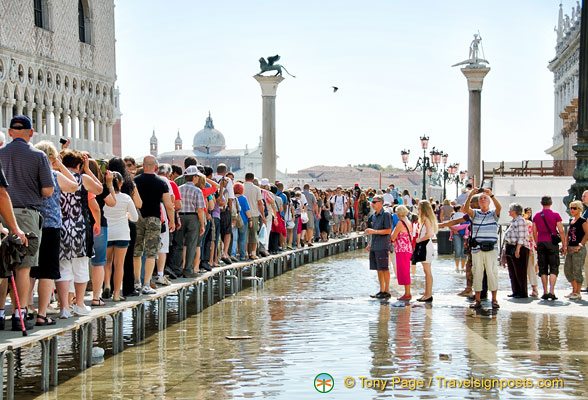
{"x":99,"y":258}
{"x":121,"y":244}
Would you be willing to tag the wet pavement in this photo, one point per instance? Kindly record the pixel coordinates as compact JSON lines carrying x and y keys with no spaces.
{"x":319,"y":318}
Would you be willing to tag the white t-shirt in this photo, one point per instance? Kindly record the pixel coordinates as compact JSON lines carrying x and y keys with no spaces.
{"x":118,"y":225}
{"x":388,"y":198}
{"x":339,"y":202}
{"x":457,"y":215}
{"x":228,"y":187}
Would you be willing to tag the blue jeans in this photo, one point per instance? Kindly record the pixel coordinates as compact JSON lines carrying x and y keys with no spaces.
{"x":240,"y":237}
{"x":295,"y":230}
{"x":458,"y":247}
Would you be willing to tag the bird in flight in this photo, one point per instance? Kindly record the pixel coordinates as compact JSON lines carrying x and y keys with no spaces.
{"x":335,"y":88}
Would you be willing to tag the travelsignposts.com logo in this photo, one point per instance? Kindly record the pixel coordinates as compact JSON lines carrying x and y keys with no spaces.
{"x":324,"y":383}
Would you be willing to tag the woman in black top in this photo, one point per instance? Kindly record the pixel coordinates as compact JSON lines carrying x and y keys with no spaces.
{"x":576,"y":252}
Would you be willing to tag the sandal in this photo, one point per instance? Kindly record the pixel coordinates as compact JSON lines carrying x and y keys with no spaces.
{"x":46,"y":320}
{"x":98,"y":302}
{"x":495,"y":304}
{"x":118,"y":298}
{"x":476,"y":304}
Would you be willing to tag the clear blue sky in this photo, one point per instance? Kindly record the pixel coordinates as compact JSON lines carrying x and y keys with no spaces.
{"x":176,"y":60}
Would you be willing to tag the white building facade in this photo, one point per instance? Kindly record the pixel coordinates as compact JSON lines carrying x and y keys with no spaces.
{"x":565,"y":67}
{"x":57,"y":65}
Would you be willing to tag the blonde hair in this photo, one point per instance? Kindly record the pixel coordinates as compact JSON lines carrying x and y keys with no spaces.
{"x":200,"y":181}
{"x":578,"y":204}
{"x":426,"y":211}
{"x":402,"y":211}
{"x":446,"y":202}
{"x":48,"y":148}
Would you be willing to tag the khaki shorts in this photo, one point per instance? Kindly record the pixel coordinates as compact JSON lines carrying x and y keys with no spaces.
{"x":337,"y":219}
{"x":253,"y":230}
{"x":148,"y":237}
{"x":29,"y":221}
{"x":310,"y":223}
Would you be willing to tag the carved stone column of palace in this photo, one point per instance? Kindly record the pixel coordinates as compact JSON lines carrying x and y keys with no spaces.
{"x":56,"y":116}
{"x":74,"y":128}
{"x":269,"y":87}
{"x":475,"y":77}
{"x":39,"y":118}
{"x":48,"y":120}
{"x":66,"y":123}
{"x":81,"y":125}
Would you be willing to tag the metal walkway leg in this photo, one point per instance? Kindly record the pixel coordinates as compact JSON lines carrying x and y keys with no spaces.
{"x":53,"y":362}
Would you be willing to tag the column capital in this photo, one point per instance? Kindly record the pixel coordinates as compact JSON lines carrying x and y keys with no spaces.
{"x":74,"y":113}
{"x":269,"y":84}
{"x":58,"y":110}
{"x":21,"y":103}
{"x":475,"y":77}
{"x":67,"y":112}
{"x":49,"y":108}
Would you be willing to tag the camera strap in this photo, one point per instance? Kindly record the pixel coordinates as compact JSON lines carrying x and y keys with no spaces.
{"x":545,"y":222}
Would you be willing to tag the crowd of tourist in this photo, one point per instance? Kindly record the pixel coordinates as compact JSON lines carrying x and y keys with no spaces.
{"x":530,"y":247}
{"x":128,"y":228}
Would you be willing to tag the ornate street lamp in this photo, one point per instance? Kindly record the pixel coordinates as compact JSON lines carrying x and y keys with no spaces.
{"x":423,"y":164}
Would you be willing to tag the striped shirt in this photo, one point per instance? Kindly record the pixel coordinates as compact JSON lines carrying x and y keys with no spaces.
{"x":484,"y":227}
{"x":192,"y":198}
{"x":27,"y":172}
{"x":518,"y":232}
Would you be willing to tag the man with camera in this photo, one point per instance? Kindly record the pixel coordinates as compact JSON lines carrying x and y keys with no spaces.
{"x":483,"y":242}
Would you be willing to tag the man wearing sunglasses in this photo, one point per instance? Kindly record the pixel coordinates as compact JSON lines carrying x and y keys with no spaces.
{"x":380,"y":227}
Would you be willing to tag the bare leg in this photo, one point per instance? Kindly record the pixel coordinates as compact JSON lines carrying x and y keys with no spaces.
{"x":45,"y":287}
{"x":226,"y":244}
{"x":80,"y":292}
{"x":137,"y":268}
{"x":97,"y":281}
{"x":386,"y":276}
{"x":63,"y":293}
{"x":552,"y":279}
{"x":119,"y":269}
{"x":23,"y":282}
{"x":161,"y":257}
{"x":108,"y":267}
{"x":149,"y":265}
{"x":428,"y":280}
{"x":544,"y":283}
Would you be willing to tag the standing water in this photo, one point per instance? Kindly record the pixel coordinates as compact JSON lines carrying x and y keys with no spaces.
{"x":319,"y":319}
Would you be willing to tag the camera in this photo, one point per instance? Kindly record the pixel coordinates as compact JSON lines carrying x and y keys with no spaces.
{"x":481,"y":190}
{"x":62,"y":140}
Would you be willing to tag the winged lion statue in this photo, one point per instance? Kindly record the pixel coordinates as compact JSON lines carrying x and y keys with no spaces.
{"x":270,"y":65}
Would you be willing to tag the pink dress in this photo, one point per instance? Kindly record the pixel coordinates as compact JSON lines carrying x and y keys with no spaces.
{"x":403,"y":250}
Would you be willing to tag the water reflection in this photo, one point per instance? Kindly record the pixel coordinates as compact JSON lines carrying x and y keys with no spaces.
{"x":320,"y":318}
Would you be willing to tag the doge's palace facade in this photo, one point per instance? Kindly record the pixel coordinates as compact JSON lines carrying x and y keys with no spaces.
{"x":57,"y":65}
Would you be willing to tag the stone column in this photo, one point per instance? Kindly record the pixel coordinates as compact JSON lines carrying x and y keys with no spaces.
{"x":56,"y":115}
{"x":19,"y":107}
{"x":66,"y":123}
{"x":30,"y":107}
{"x":74,"y":128}
{"x":109,"y":138}
{"x":269,"y":87}
{"x":81,"y":125}
{"x":39,"y":117}
{"x":48,"y":120}
{"x":475,"y":78}
{"x":2,"y":112}
{"x":9,"y":104}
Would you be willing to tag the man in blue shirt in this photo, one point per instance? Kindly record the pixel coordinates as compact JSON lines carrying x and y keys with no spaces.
{"x":379,"y":248}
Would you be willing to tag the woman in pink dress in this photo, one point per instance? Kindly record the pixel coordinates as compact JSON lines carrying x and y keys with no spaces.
{"x":402,"y":238}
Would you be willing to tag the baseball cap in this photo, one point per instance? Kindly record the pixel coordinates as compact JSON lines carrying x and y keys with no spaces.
{"x":191,"y":170}
{"x":264,"y":182}
{"x":20,"y":122}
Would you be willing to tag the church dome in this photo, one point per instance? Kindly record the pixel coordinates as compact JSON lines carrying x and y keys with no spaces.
{"x":209,"y":140}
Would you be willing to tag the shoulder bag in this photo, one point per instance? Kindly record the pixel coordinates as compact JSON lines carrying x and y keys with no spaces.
{"x":555,"y":239}
{"x":420,"y":251}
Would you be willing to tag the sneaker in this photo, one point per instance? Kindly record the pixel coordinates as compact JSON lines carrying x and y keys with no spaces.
{"x":573,"y":296}
{"x":226,"y":260}
{"x":148,"y":290}
{"x":64,"y":313}
{"x":234,"y":259}
{"x":16,"y":324}
{"x":134,"y":293}
{"x":569,"y":296}
{"x":162,"y":280}
{"x":85,"y":310}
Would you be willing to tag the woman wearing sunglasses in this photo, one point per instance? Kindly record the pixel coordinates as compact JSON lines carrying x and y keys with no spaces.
{"x":576,"y":252}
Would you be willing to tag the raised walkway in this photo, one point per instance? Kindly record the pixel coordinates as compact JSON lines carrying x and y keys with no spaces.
{"x":211,"y":286}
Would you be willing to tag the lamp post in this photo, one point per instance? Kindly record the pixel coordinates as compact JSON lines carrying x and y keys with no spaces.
{"x":424,"y":163}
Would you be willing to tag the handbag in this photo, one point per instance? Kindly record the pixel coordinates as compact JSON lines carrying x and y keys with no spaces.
{"x":510,"y":250}
{"x":420,"y":252}
{"x":328,"y":215}
{"x":555,"y":239}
